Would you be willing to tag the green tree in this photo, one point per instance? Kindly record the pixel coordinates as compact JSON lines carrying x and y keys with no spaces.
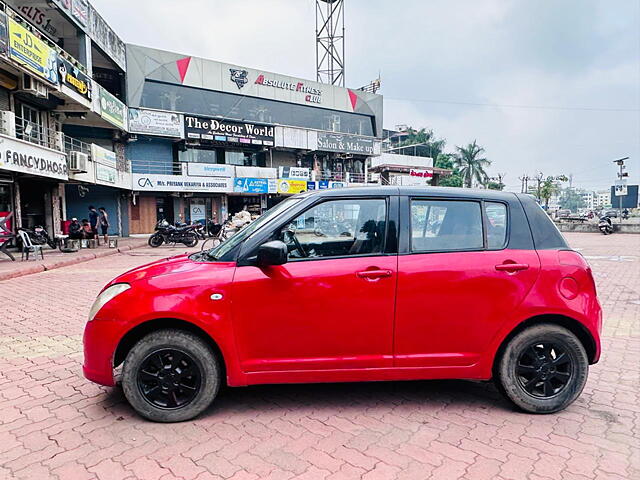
{"x":571,"y":200}
{"x":471,"y":164}
{"x":445,"y":160}
{"x":422,"y":143}
{"x":548,"y":189}
{"x":491,"y":185}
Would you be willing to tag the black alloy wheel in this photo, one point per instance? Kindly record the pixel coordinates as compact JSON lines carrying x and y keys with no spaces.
{"x":544,"y":369}
{"x":169,"y":379}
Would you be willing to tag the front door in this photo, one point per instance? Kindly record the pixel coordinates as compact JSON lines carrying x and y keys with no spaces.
{"x":456,"y":289}
{"x":331,"y":306}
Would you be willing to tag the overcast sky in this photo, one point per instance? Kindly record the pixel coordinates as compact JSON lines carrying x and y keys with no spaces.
{"x":545,"y":85}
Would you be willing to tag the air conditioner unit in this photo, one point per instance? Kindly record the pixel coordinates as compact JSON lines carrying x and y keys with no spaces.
{"x":8,"y":123}
{"x":34,"y":87}
{"x":78,"y":162}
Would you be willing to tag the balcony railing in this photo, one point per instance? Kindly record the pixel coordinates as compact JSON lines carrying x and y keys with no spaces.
{"x":341,"y":176}
{"x":38,"y":134}
{"x":155,"y":167}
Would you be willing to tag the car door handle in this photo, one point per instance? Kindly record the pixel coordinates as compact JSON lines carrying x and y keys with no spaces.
{"x":511,"y":267}
{"x":374,"y":274}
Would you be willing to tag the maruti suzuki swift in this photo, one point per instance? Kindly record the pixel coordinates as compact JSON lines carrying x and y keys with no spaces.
{"x":358,"y":284}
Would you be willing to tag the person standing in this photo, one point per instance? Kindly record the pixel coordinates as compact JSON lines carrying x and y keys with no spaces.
{"x":93,"y":220}
{"x":104,"y":224}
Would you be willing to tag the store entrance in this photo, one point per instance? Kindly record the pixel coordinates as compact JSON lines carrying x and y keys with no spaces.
{"x":251,"y":203}
{"x":164,"y":209}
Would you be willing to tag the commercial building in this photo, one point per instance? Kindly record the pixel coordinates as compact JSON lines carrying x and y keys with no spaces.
{"x":61,"y":71}
{"x":207,"y":139}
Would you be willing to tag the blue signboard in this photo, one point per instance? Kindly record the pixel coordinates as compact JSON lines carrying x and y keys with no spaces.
{"x":253,"y":185}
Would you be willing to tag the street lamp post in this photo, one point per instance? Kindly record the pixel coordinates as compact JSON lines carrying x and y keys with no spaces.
{"x":621,"y":175}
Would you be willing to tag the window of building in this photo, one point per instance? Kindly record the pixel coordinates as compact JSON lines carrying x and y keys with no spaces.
{"x":245,"y":158}
{"x":338,"y":228}
{"x":28,"y":123}
{"x":198,"y":155}
{"x":496,"y":224}
{"x":445,"y":225}
{"x":179,"y":98}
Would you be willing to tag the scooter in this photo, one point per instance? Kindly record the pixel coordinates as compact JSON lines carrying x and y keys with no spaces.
{"x":605,"y":225}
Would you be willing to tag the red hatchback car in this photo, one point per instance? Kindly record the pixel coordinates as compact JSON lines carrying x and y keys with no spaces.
{"x":358,"y":284}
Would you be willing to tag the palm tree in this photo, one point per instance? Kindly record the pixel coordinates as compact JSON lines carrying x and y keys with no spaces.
{"x":548,"y":189}
{"x":471,"y":165}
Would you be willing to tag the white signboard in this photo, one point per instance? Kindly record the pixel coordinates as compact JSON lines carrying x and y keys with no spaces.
{"x":209,"y":169}
{"x":181,"y":183}
{"x":19,"y":156}
{"x":105,"y":173}
{"x":103,"y":156}
{"x":154,"y":122}
{"x":197,"y":210}
{"x":621,"y":188}
{"x":296,"y":173}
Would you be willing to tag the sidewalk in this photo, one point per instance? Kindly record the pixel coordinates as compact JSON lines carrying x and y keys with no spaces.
{"x":56,"y":259}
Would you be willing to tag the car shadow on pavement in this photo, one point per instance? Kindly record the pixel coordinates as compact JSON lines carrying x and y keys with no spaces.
{"x":432,"y":395}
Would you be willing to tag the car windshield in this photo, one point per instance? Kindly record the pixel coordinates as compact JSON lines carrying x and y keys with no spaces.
{"x":245,"y":232}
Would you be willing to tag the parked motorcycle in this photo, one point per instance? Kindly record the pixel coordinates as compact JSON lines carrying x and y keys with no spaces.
{"x":625,"y":214}
{"x":167,"y":233}
{"x":39,"y":236}
{"x":605,"y":225}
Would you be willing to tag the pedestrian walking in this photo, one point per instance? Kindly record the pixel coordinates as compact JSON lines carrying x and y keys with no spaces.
{"x":103,"y":221}
{"x":93,"y":220}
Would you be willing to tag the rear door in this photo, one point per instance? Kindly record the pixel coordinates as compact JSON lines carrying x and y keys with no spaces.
{"x":458,"y":280}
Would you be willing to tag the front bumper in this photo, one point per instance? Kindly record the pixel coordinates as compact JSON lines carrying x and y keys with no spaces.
{"x":100,"y":341}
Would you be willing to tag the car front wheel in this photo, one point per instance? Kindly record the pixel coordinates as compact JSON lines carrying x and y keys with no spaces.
{"x":543,"y":369}
{"x":170,"y":376}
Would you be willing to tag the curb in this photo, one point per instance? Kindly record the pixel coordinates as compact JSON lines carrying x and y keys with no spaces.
{"x":29,"y":270}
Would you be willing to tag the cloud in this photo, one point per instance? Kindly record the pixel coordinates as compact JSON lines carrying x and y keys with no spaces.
{"x":571,"y":53}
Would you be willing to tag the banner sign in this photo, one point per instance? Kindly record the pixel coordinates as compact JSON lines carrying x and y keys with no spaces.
{"x":216,"y":130}
{"x":105,"y":173}
{"x":73,"y":78}
{"x":324,"y":185}
{"x":197,"y":209}
{"x":103,"y":156}
{"x":255,"y":185}
{"x":25,"y":157}
{"x":112,"y":109}
{"x":153,"y":122}
{"x":209,"y":169}
{"x":292,"y":186}
{"x":32,"y":53}
{"x":335,"y":142}
{"x":180,"y":183}
{"x":420,"y":173}
{"x":620,"y":188}
{"x":80,"y":11}
{"x":297,"y":173}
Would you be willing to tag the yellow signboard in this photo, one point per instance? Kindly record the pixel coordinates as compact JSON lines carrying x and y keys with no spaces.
{"x":292,"y":186}
{"x":32,"y":53}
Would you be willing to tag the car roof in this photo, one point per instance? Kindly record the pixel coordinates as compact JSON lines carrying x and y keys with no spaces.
{"x":448,"y":192}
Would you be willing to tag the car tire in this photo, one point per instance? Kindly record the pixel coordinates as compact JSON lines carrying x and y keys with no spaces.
{"x":543,"y":369}
{"x":170,"y":376}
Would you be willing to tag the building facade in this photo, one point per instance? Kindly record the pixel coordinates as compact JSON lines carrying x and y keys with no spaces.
{"x":208,"y":139}
{"x":61,"y":73}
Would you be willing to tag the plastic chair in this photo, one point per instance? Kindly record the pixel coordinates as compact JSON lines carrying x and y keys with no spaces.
{"x":28,"y":247}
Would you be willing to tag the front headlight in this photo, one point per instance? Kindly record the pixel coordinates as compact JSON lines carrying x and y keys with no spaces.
{"x":108,"y":294}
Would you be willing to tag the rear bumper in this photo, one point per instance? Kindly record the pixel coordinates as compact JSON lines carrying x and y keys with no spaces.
{"x":100,"y":341}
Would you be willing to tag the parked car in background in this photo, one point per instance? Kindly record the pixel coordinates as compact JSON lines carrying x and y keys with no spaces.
{"x":563,"y":213}
{"x":358,"y":284}
{"x":611,"y":213}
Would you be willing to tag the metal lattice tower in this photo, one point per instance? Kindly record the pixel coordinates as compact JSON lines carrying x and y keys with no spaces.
{"x":330,"y":41}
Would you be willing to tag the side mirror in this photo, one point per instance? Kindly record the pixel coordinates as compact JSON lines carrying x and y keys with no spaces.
{"x":272,"y":253}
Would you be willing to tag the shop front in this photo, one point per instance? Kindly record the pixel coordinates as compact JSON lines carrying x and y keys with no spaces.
{"x":30,"y":187}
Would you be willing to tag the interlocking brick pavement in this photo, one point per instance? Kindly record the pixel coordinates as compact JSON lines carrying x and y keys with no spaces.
{"x":55,"y":424}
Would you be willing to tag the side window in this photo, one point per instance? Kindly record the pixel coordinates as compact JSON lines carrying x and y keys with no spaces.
{"x":496,"y":224}
{"x":337,"y":228}
{"x":445,"y":225}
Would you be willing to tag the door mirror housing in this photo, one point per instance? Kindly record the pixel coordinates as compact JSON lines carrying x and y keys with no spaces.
{"x":272,"y":253}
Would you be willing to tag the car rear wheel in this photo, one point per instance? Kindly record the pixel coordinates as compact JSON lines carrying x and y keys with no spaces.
{"x":543,"y":369}
{"x":170,"y":376}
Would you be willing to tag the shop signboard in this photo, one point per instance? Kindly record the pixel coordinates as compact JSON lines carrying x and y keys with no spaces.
{"x":324,"y":185}
{"x":227,"y":131}
{"x":209,"y":169}
{"x":336,"y":142}
{"x":292,"y":186}
{"x":74,"y":79}
{"x":180,"y":183}
{"x":80,"y":11}
{"x":295,"y":173}
{"x":154,"y":122}
{"x":197,"y":210}
{"x":255,"y":185}
{"x":420,"y":173}
{"x":105,"y":162}
{"x":32,"y":53}
{"x":112,"y":109}
{"x":24,"y":157}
